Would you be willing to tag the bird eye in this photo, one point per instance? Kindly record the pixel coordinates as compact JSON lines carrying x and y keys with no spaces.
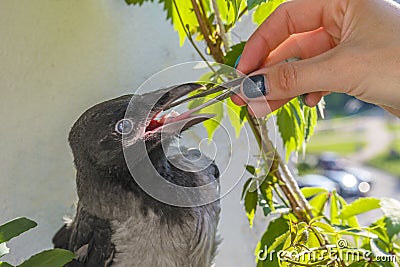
{"x":124,"y":126}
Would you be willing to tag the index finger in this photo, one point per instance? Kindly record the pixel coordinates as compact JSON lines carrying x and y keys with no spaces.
{"x":289,"y":18}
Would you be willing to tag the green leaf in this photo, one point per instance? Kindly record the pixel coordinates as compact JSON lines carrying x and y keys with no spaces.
{"x":246,"y":187}
{"x":217,"y":109}
{"x":212,"y":124}
{"x":253,"y":3}
{"x":311,"y":117}
{"x":264,"y":10}
{"x":233,"y":54}
{"x":318,"y":203}
{"x":250,"y":204}
{"x":297,"y":112}
{"x":14,"y":228}
{"x":279,"y":241}
{"x":5,"y":264}
{"x":325,"y":227}
{"x":251,"y":169}
{"x":288,"y":128}
{"x":234,"y":114}
{"x":391,"y":210}
{"x":314,"y":240}
{"x":228,"y":10}
{"x":267,"y":194}
{"x":359,"y":206}
{"x":183,"y":18}
{"x":49,"y":258}
{"x":275,"y":229}
{"x":168,"y":7}
{"x":334,"y":212}
{"x":379,"y":228}
{"x":236,"y":4}
{"x":137,"y":2}
{"x":3,"y":249}
{"x":312,"y":191}
{"x":350,"y":221}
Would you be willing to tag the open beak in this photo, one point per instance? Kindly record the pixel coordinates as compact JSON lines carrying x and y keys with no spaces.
{"x":173,"y":122}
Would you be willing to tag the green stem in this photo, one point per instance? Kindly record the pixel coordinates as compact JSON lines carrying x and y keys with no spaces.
{"x":242,"y":13}
{"x":215,"y":50}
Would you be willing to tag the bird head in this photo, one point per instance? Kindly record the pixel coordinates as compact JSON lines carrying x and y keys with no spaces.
{"x":131,"y":122}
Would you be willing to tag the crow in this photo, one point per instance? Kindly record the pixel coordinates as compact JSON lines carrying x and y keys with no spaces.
{"x":118,"y":223}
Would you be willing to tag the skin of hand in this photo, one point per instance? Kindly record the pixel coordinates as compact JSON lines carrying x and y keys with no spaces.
{"x":347,"y":46}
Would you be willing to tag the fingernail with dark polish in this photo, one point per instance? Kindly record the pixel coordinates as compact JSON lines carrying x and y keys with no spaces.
{"x":237,"y":61}
{"x":254,"y":86}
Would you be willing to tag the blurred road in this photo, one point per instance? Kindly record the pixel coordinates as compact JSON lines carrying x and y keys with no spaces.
{"x":377,"y":136}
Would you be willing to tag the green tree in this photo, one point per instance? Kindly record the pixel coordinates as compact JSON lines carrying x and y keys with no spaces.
{"x":301,"y":228}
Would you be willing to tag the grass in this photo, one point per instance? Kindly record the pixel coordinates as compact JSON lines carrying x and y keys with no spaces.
{"x":342,"y":143}
{"x":389,"y":161}
{"x":394,"y":127}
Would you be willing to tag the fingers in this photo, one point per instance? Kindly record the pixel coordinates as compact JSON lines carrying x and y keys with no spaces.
{"x":238,"y":100}
{"x":288,"y":80}
{"x":312,"y":99}
{"x":291,"y":17}
{"x":302,"y":45}
{"x":260,"y":109}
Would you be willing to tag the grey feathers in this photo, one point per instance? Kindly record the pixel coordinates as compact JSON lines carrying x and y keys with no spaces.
{"x":117,"y":224}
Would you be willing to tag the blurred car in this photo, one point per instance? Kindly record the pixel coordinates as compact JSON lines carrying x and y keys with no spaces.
{"x":361,"y":174}
{"x":317,"y":180}
{"x":344,"y":175}
{"x":329,"y":161}
{"x":349,"y":185}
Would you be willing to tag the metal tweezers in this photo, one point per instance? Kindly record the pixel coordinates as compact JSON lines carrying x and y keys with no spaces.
{"x":228,"y":89}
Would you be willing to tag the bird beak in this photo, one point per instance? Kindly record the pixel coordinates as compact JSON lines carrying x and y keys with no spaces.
{"x":173,"y":122}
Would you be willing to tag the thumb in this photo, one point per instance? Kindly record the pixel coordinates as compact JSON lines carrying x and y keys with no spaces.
{"x":291,"y":79}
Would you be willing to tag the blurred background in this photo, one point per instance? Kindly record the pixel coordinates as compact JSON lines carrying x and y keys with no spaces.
{"x":58,"y":58}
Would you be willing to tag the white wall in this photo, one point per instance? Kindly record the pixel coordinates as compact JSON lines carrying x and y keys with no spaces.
{"x":57,"y":58}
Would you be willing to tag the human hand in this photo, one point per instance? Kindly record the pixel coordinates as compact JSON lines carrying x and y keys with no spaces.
{"x":348,"y":46}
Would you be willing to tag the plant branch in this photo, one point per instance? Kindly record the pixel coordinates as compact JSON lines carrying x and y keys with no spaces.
{"x":221,"y":26}
{"x":293,"y":184}
{"x":215,"y":51}
{"x":205,"y":19}
{"x":288,"y":184}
